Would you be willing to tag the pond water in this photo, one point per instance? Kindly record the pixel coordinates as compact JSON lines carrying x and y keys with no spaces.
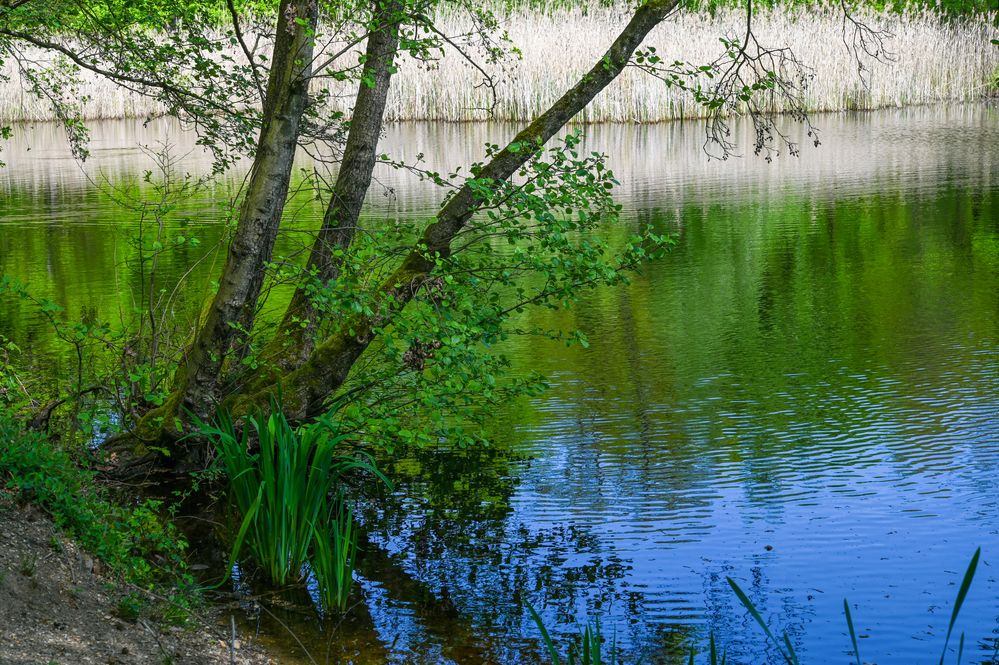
{"x":803,"y":396}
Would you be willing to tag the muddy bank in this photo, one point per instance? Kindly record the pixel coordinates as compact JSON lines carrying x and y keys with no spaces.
{"x":57,"y":605}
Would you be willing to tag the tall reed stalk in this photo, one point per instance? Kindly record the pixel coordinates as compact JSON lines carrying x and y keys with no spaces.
{"x":935,"y":58}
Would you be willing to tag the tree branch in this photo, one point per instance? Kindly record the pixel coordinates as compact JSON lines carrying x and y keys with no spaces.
{"x":306,"y":389}
{"x":112,"y":75}
{"x":246,"y":50}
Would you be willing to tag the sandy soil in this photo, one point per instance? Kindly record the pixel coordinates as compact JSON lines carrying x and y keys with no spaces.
{"x":58,"y":606}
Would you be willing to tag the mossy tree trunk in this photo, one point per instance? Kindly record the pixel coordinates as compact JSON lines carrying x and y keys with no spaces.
{"x":198,"y":379}
{"x":294,"y":340}
{"x":306,"y":377}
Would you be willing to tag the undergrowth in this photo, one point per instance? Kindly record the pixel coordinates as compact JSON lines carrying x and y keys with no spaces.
{"x":136,"y":542}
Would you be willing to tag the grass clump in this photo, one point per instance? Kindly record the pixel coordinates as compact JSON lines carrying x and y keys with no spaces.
{"x":287,"y":485}
{"x":28,"y":565}
{"x":129,"y":607}
{"x":334,"y":553}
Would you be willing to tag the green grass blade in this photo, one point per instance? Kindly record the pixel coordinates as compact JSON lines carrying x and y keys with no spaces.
{"x":962,"y":593}
{"x":792,"y":656}
{"x":748,"y":604}
{"x":240,"y":537}
{"x":960,"y":650}
{"x":545,"y":637}
{"x":333,"y":556}
{"x":853,"y":632}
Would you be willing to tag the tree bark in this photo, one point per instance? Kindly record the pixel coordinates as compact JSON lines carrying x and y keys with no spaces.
{"x":198,"y":378}
{"x":294,"y":340}
{"x":305,"y":390}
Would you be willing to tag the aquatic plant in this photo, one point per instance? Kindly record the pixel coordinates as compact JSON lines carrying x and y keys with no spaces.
{"x":591,"y":639}
{"x":588,"y":651}
{"x":334,"y":554}
{"x":933,"y":59}
{"x":280,"y":488}
{"x":786,"y":648}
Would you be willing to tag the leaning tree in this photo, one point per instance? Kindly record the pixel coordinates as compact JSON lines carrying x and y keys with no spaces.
{"x":383,"y":326}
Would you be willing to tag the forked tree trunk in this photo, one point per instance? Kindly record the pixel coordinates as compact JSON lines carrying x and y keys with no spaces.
{"x":198,"y":378}
{"x":295,"y":338}
{"x":306,"y":389}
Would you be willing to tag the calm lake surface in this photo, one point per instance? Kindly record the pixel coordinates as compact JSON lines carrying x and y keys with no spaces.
{"x":803,"y":396}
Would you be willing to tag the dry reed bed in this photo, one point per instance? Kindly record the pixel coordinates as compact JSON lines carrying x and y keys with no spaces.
{"x":933,"y":60}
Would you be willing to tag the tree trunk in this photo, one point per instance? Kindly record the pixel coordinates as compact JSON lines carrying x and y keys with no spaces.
{"x":197,"y":380}
{"x":306,"y":389}
{"x":295,"y":338}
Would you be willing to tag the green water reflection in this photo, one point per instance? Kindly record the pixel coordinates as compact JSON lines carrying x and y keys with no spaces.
{"x":814,"y":368}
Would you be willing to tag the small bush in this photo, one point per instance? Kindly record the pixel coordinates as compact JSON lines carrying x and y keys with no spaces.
{"x":29,"y":564}
{"x":129,"y":607}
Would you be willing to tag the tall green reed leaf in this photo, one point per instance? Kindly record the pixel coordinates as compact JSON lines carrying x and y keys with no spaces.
{"x":853,"y":632}
{"x":790,"y":656}
{"x":546,"y":639}
{"x":334,"y":555}
{"x":281,"y":491}
{"x":592,"y":644}
{"x":713,"y":652}
{"x":962,"y":593}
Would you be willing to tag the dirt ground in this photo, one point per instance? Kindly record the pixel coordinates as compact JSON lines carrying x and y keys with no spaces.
{"x":56,"y":607}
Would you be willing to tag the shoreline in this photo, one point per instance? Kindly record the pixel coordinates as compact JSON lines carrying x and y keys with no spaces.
{"x":991,"y":99}
{"x":63,"y":605}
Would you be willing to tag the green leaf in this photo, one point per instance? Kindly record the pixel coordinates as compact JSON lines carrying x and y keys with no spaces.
{"x":962,"y":593}
{"x":791,"y":658}
{"x":853,"y":633}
